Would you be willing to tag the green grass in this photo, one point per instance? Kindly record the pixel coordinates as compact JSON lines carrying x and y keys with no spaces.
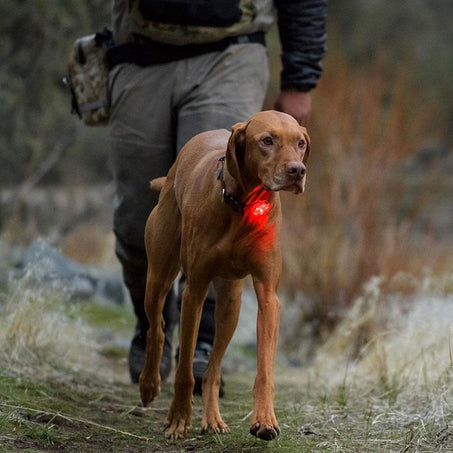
{"x":114,"y":320}
{"x":117,"y":318}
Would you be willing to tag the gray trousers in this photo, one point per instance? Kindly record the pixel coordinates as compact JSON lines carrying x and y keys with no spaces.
{"x":155,"y":111}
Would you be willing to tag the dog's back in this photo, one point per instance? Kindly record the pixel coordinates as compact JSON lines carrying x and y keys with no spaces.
{"x":197,"y":162}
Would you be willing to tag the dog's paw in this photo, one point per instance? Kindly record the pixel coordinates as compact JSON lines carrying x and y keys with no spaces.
{"x":177,"y":428}
{"x":265,"y":432}
{"x":149,"y":389}
{"x":179,"y":419}
{"x":216,"y":426}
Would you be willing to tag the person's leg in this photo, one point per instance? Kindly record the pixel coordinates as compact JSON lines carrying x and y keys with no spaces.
{"x":142,"y":148}
{"x":215,"y":91}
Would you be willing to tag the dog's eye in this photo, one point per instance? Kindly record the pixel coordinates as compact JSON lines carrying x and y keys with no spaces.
{"x":268,"y":140}
{"x":301,"y":143}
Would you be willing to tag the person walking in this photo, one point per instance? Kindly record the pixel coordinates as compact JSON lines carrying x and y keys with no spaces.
{"x":178,"y":68}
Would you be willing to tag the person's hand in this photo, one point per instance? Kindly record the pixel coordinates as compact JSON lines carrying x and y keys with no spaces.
{"x":295,"y":103}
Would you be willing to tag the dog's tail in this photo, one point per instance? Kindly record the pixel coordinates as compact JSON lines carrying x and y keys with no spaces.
{"x":158,"y":183}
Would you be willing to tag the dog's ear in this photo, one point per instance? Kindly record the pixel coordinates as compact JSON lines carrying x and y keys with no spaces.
{"x":307,"y":141}
{"x":235,"y":152}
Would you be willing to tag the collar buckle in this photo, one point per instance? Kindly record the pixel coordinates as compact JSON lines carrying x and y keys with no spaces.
{"x":220,"y":165}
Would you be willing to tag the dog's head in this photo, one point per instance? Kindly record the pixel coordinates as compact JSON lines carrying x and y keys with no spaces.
{"x":270,"y":149}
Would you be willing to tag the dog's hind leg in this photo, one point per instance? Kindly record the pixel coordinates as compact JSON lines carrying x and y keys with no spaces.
{"x":162,"y":238}
{"x":180,"y":413}
{"x":228,"y":304}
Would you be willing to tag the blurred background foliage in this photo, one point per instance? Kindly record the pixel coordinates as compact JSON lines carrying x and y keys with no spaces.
{"x":379,"y":186}
{"x":410,"y":36}
{"x":35,"y":121}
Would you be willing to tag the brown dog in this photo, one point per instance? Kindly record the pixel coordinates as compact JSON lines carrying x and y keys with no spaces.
{"x":219,"y":218}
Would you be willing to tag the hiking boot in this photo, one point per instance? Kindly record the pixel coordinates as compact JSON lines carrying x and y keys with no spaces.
{"x":137,"y":356}
{"x":200,"y":363}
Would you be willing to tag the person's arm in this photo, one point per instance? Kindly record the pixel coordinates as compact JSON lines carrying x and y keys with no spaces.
{"x":302,"y":28}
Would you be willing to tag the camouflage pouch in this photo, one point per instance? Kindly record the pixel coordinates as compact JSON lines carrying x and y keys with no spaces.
{"x":87,"y":78}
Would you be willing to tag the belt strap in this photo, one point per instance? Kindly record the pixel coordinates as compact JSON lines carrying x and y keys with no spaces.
{"x":148,"y":52}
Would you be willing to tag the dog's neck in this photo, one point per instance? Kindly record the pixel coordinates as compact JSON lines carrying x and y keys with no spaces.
{"x":236,"y":197}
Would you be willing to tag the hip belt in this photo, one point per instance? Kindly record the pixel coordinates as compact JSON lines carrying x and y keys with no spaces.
{"x":145,"y":52}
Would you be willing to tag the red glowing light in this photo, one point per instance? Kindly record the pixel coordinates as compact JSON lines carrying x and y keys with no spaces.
{"x":261,"y":209}
{"x":257,"y":208}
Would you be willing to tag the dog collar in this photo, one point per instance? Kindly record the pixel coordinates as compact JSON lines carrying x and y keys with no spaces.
{"x":227,"y":198}
{"x":258,"y":206}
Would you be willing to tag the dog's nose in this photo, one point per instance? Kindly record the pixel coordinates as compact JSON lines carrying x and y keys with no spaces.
{"x":295,"y":169}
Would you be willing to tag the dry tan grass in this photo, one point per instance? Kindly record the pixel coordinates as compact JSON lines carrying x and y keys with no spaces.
{"x":90,"y":243}
{"x":40,"y":334}
{"x":393,"y":340}
{"x":352,"y":223}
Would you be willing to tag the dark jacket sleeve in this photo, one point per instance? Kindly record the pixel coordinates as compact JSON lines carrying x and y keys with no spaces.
{"x":302,"y":28}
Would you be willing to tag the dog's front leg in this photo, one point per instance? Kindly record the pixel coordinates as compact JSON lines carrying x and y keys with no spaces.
{"x":180,"y":414}
{"x":227,"y":308}
{"x":264,"y":423}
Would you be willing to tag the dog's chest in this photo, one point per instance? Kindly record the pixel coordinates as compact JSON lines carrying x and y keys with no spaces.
{"x":243,"y":253}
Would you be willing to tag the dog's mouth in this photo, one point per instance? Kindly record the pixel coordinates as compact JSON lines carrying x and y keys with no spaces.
{"x":296,"y":188}
{"x":296,"y":185}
